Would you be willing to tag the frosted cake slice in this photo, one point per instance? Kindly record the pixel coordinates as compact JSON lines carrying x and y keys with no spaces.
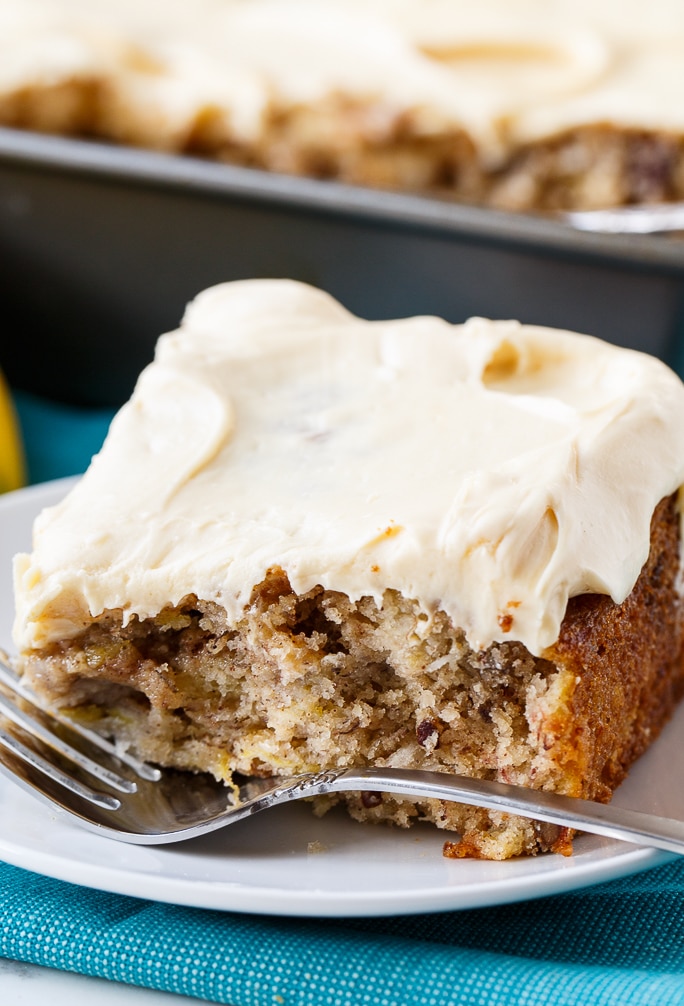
{"x":311,"y":541}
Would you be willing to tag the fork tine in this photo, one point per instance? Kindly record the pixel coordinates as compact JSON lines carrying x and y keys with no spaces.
{"x":31,"y":725}
{"x":12,"y":681}
{"x":36,"y":761}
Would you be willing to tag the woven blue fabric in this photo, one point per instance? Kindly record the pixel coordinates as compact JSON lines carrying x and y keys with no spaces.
{"x":608,"y":945}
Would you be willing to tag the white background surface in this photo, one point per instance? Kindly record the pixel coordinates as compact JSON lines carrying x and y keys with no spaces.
{"x":30,"y":985}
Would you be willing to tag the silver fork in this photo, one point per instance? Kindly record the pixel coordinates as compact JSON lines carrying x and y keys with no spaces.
{"x":659,"y":218}
{"x":115,"y":795}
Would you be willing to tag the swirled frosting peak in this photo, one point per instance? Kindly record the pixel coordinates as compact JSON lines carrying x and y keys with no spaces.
{"x":490,"y":470}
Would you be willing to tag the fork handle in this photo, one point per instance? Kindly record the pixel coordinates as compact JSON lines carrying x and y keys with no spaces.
{"x":584,"y":815}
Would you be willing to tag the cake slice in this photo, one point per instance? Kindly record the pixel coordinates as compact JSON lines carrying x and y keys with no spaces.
{"x":313,"y":541}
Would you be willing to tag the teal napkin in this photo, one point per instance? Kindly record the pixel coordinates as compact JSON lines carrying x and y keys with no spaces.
{"x":59,"y":440}
{"x":607,"y":945}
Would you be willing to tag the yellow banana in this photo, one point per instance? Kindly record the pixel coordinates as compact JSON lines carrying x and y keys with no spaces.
{"x":12,"y":469}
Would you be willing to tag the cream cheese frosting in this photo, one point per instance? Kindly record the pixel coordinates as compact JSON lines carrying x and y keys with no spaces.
{"x":490,"y":470}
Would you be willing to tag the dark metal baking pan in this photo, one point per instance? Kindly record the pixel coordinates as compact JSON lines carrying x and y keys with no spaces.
{"x":103,"y":246}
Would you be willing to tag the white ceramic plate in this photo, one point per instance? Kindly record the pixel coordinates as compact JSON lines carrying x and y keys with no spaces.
{"x":287,"y":862}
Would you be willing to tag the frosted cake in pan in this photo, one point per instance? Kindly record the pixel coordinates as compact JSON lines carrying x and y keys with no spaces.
{"x":519,"y":104}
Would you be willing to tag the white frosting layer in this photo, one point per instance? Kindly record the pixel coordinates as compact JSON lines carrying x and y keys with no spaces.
{"x":506,"y":71}
{"x":490,"y":470}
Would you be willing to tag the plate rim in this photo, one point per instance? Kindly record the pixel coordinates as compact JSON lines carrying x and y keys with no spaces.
{"x":286,"y":903}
